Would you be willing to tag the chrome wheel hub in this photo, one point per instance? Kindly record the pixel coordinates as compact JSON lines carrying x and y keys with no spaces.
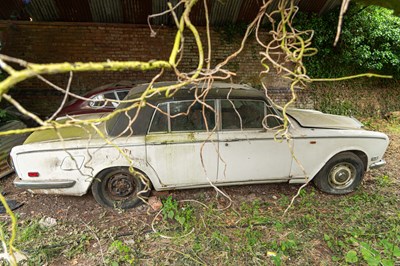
{"x":342,"y":175}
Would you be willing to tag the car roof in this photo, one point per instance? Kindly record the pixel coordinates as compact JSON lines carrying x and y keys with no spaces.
{"x":220,"y":90}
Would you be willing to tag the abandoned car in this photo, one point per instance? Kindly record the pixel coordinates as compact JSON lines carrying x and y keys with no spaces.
{"x":179,"y":143}
{"x":99,"y":95}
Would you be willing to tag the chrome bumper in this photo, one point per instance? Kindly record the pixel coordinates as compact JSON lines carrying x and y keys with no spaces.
{"x":377,"y":164}
{"x":43,"y":184}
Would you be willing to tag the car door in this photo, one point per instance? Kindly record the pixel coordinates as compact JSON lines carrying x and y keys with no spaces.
{"x":179,"y":147}
{"x":248,"y":152}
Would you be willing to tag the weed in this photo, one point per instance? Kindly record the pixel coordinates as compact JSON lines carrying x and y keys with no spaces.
{"x":384,"y":180}
{"x":172,"y":211}
{"x":120,"y":253}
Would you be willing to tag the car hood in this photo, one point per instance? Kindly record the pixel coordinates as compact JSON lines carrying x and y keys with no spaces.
{"x":316,"y":119}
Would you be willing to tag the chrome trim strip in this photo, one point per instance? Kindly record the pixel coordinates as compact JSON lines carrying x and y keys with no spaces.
{"x":340,"y":137}
{"x":43,"y":184}
{"x":377,"y":164}
{"x":255,"y":139}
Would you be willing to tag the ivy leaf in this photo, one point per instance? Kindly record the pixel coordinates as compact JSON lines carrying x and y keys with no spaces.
{"x":351,"y":256}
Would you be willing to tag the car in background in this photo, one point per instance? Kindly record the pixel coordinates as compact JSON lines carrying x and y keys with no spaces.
{"x":112,"y":91}
{"x":187,"y":144}
{"x":10,"y":120}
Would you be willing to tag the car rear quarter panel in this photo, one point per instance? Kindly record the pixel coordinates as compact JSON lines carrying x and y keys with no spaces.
{"x":313,"y":148}
{"x":79,"y":162}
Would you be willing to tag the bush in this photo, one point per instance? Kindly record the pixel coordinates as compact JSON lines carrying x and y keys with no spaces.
{"x":370,"y":42}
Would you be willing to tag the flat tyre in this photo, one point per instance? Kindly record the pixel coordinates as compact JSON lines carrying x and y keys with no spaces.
{"x":119,"y":188}
{"x":342,"y":174}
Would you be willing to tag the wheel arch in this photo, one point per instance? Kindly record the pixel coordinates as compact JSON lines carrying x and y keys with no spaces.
{"x":363,"y":156}
{"x":104,"y":170}
{"x":358,"y":152}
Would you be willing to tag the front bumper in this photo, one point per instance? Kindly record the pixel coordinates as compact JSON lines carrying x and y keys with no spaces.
{"x":377,"y":164}
{"x":43,"y":184}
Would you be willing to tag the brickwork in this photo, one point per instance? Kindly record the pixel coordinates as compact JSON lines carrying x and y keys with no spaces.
{"x":61,"y":42}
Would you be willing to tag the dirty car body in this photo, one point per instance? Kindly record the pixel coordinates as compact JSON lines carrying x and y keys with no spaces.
{"x":222,"y":142}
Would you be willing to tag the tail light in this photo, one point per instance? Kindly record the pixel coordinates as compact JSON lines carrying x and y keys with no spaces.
{"x":33,"y":174}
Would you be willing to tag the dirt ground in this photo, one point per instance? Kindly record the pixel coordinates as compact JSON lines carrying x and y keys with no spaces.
{"x":83,"y":212}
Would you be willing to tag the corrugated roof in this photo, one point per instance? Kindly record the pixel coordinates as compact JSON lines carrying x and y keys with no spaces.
{"x":136,"y":11}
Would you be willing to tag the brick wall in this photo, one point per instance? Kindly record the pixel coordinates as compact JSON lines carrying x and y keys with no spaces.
{"x":60,"y":42}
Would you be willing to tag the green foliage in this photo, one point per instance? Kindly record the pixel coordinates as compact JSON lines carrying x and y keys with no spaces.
{"x":172,"y":211}
{"x":391,"y":4}
{"x":120,"y":254}
{"x":370,"y":42}
{"x":351,"y":256}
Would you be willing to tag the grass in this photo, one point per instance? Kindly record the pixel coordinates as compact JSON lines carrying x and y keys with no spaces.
{"x":360,"y":228}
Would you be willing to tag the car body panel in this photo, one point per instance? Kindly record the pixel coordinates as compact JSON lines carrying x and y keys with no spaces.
{"x":171,"y":154}
{"x":319,"y":145}
{"x":79,"y":161}
{"x":252,"y":155}
{"x":316,"y":119}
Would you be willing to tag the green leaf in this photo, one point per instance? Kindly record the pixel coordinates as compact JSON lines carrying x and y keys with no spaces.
{"x":171,"y":214}
{"x":390,"y":248}
{"x":370,"y":255}
{"x":387,"y":262}
{"x":351,"y":256}
{"x":180,"y":219}
{"x":326,"y":237}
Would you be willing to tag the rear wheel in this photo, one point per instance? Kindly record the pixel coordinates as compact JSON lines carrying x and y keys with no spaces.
{"x":341,"y":175}
{"x":119,"y":188}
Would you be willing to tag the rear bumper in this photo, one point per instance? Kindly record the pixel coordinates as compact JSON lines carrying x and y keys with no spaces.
{"x":43,"y":184}
{"x":377,"y":164}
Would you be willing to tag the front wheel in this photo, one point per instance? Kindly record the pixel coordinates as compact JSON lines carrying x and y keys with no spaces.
{"x":341,"y":175}
{"x":119,"y":188}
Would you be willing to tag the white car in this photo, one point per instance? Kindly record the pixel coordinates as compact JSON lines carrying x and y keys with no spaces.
{"x":182,"y":151}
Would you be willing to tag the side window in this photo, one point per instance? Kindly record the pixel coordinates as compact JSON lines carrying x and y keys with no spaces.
{"x":160,"y":119}
{"x":242,"y":114}
{"x":198,"y":118}
{"x":184,"y":116}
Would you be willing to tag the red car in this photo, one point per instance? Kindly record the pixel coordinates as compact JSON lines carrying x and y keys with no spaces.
{"x":113,"y":91}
